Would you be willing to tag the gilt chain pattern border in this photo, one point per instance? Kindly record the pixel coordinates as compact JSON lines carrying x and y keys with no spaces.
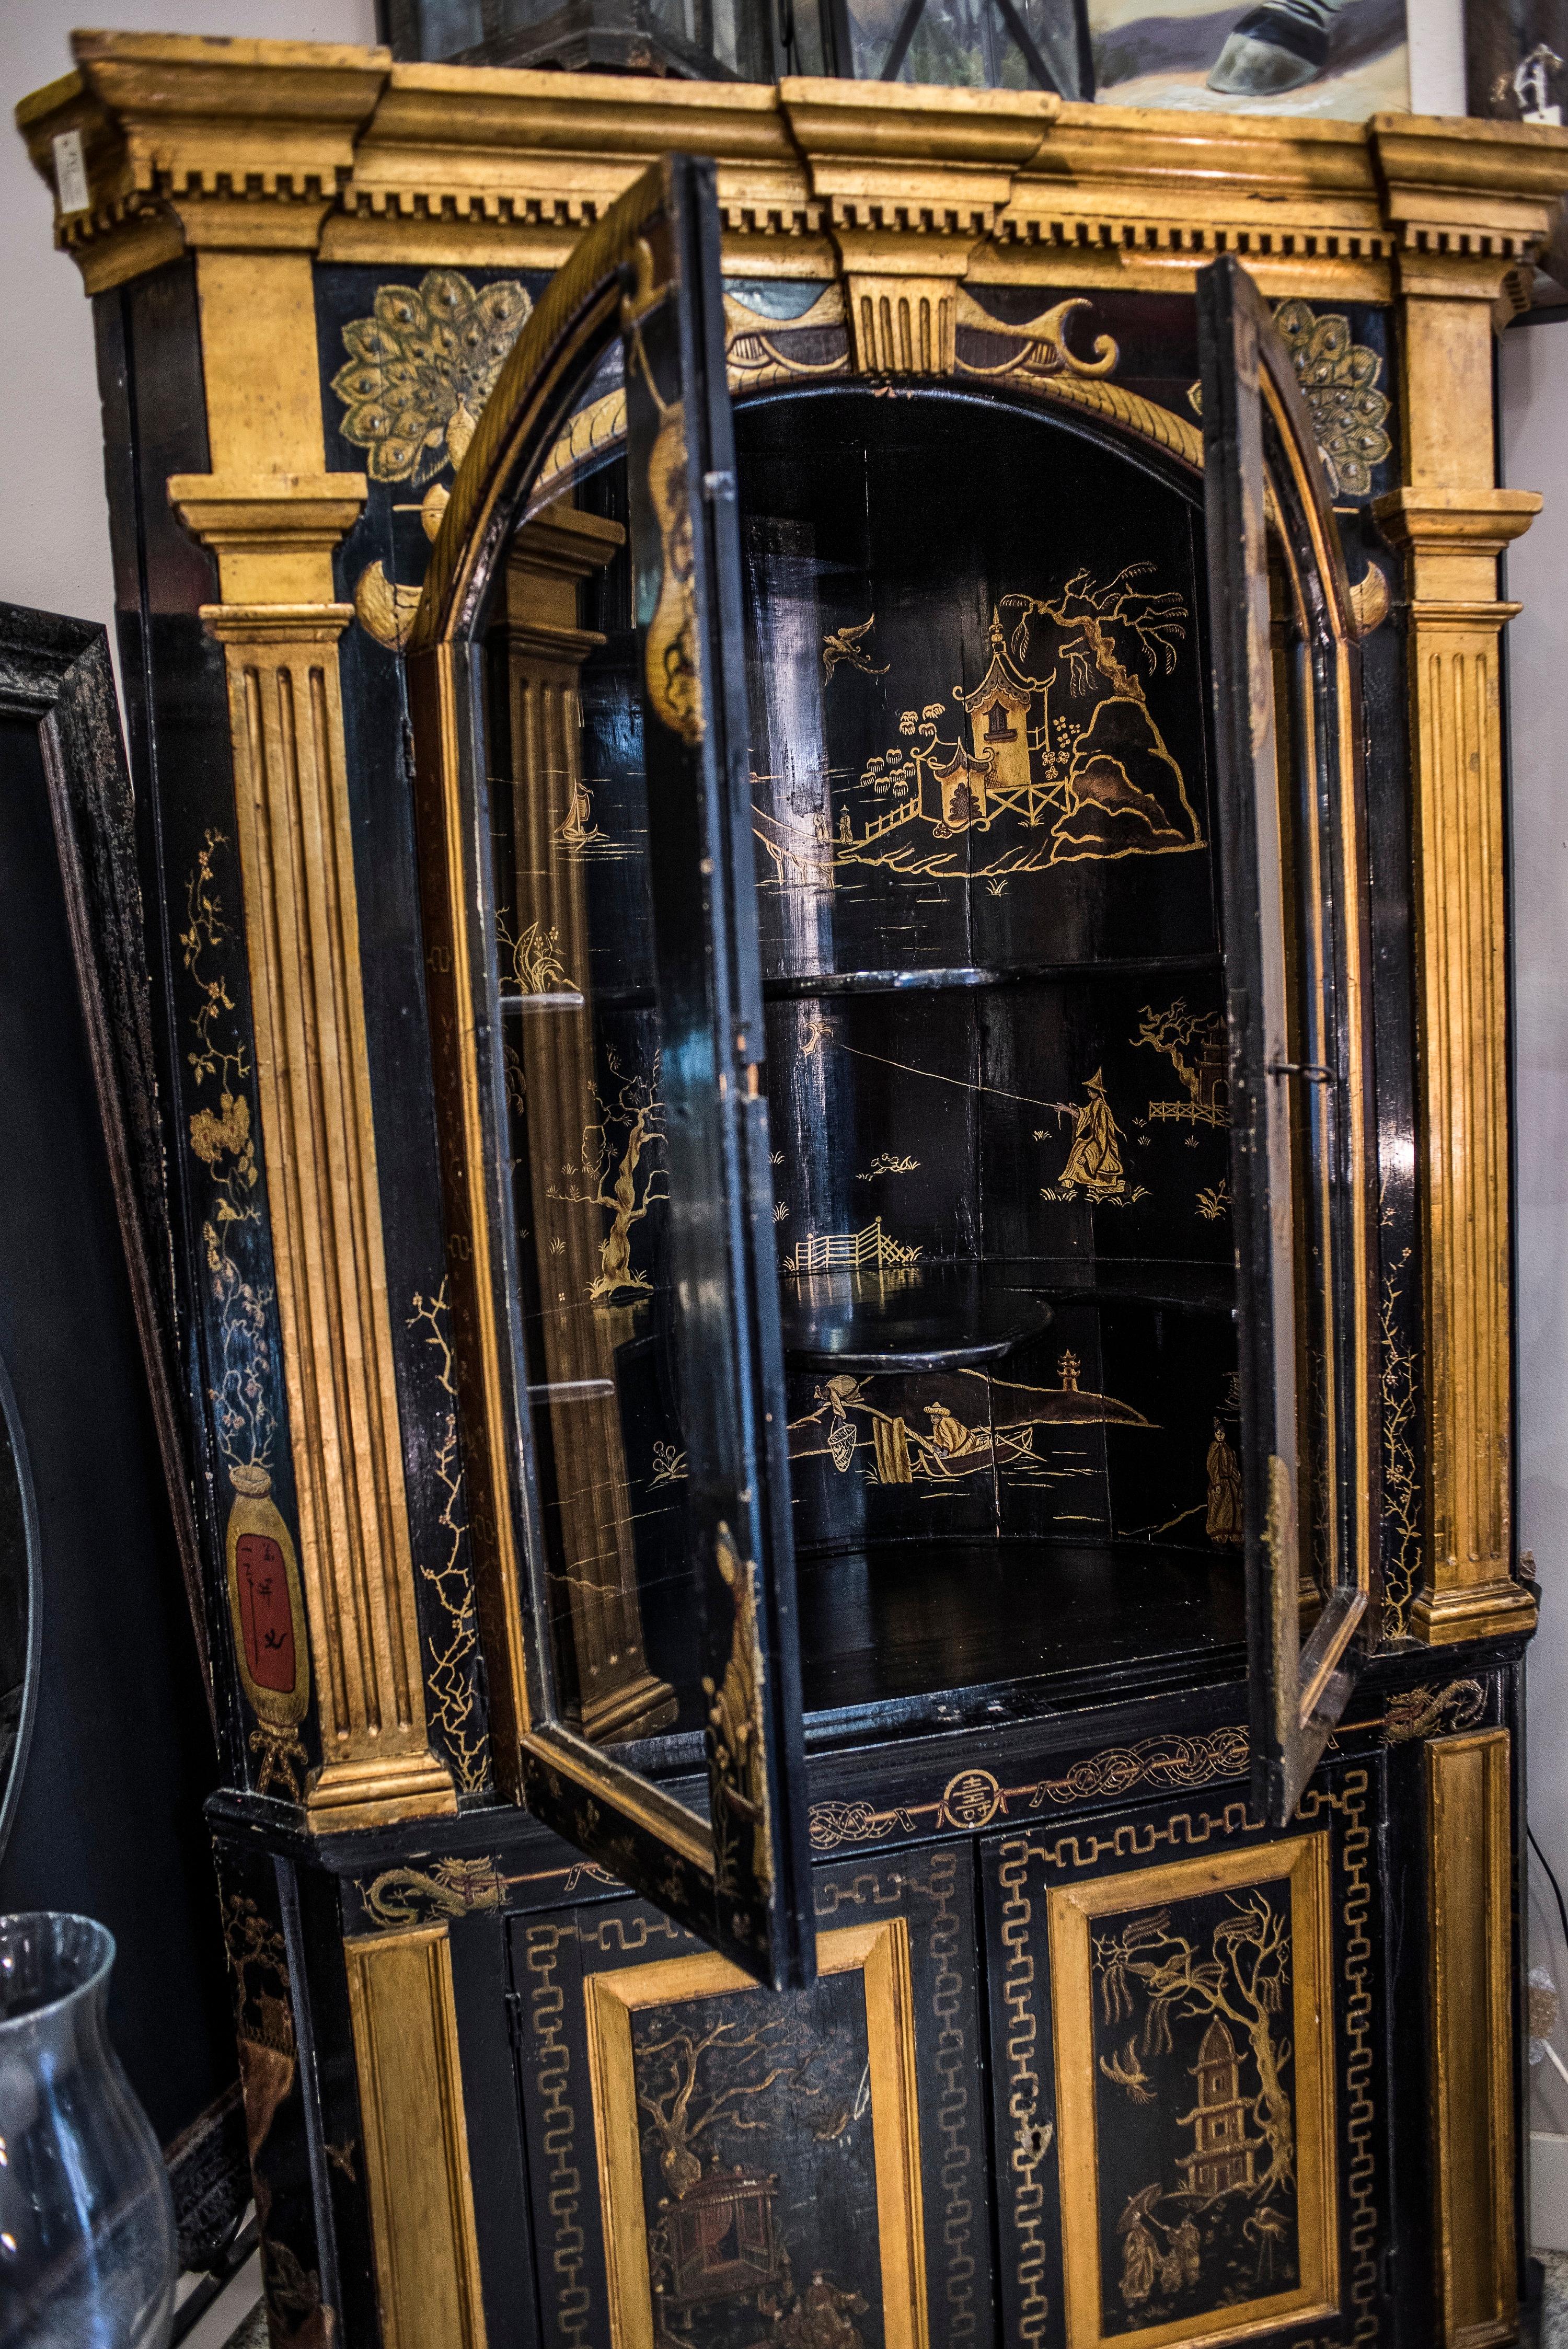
{"x":552,"y":2076}
{"x":1031,"y":2137}
{"x":951,"y":2059}
{"x":1355,"y":2022}
{"x":1181,"y":1829}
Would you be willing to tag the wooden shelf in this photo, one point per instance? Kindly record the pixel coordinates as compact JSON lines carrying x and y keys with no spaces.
{"x":921,"y":1317}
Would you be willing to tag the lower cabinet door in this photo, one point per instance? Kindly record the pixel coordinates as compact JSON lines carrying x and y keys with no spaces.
{"x":1186,"y":2073}
{"x":715,"y":2167}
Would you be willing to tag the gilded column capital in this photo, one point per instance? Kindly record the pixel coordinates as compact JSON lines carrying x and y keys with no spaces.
{"x":1451,"y":539}
{"x":276,"y":624}
{"x":1464,"y":521}
{"x":273,"y":533}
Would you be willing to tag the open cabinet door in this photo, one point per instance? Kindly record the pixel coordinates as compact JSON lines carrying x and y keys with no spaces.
{"x":1292,"y":812}
{"x":602,"y":1101}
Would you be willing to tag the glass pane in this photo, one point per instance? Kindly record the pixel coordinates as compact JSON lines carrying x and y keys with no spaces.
{"x":968,"y":43}
{"x":993,"y":967}
{"x":1311,"y":1109}
{"x":1323,"y":1055}
{"x":730,"y":36}
{"x":582,"y":1058}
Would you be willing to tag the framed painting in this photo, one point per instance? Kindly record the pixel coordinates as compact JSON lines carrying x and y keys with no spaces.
{"x":1516,"y":59}
{"x":1314,"y":58}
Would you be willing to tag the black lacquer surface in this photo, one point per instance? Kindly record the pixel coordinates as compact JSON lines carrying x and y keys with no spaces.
{"x":996,"y":1060}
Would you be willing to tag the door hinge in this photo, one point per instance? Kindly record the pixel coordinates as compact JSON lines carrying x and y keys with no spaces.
{"x":514,"y":2020}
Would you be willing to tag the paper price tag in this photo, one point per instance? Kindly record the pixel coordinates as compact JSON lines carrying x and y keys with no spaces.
{"x":70,"y":173}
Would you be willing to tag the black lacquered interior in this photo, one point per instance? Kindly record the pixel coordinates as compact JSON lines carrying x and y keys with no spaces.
{"x":996,"y":1060}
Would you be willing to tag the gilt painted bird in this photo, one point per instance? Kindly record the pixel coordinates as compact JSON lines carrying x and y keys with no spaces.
{"x":1128,"y":2073}
{"x":844,"y":645}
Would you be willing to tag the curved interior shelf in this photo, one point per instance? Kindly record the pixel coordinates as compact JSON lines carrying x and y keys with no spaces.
{"x":944,"y":978}
{"x":915,"y":1318}
{"x":1133,"y":1280}
{"x":900,"y":1622}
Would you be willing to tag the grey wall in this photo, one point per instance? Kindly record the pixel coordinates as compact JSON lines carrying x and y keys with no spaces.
{"x":1533,"y":371}
{"x":53,"y":547}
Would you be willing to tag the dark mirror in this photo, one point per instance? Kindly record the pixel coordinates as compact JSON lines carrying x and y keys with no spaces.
{"x":18,"y":1605}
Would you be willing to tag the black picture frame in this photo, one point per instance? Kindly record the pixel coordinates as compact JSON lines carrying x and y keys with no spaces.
{"x":106,"y":1814}
{"x":56,"y":674}
{"x":19,"y":1535}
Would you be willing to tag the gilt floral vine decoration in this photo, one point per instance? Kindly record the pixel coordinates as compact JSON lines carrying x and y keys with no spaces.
{"x":453,"y":1646}
{"x":245,"y":1423}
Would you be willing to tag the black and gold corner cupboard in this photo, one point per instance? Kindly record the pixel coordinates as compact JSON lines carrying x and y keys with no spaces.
{"x":822,"y":834}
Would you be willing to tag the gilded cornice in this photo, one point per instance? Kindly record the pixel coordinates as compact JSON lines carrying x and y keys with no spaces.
{"x":271,"y":145}
{"x":459,"y":160}
{"x":1444,"y":190}
{"x":191,"y":141}
{"x":1146,"y":193}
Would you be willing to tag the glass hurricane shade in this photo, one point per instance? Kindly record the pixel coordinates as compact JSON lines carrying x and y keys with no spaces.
{"x":87,"y":2257}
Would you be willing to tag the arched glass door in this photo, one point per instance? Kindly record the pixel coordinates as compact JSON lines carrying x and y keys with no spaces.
{"x":904,"y":1065}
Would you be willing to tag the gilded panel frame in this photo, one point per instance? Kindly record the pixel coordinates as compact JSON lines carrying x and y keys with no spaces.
{"x":1471,"y":1976}
{"x":1302,"y":1862}
{"x":879,"y":1954}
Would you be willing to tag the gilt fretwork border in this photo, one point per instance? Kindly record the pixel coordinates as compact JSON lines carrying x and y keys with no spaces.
{"x":1338,"y":1800}
{"x":974,"y":1798}
{"x":552,"y":1957}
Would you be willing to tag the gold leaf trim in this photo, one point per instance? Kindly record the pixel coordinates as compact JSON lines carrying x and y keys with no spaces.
{"x":1041,"y":343}
{"x":672,"y":660}
{"x":737,"y":1735}
{"x":1369,"y":600}
{"x":449,"y":1888}
{"x":1338,"y":377}
{"x":420,"y":368}
{"x":1132,"y":411}
{"x":383,"y":609}
{"x":1420,"y":1711}
{"x":594,"y":428}
{"x":974,"y":1798}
